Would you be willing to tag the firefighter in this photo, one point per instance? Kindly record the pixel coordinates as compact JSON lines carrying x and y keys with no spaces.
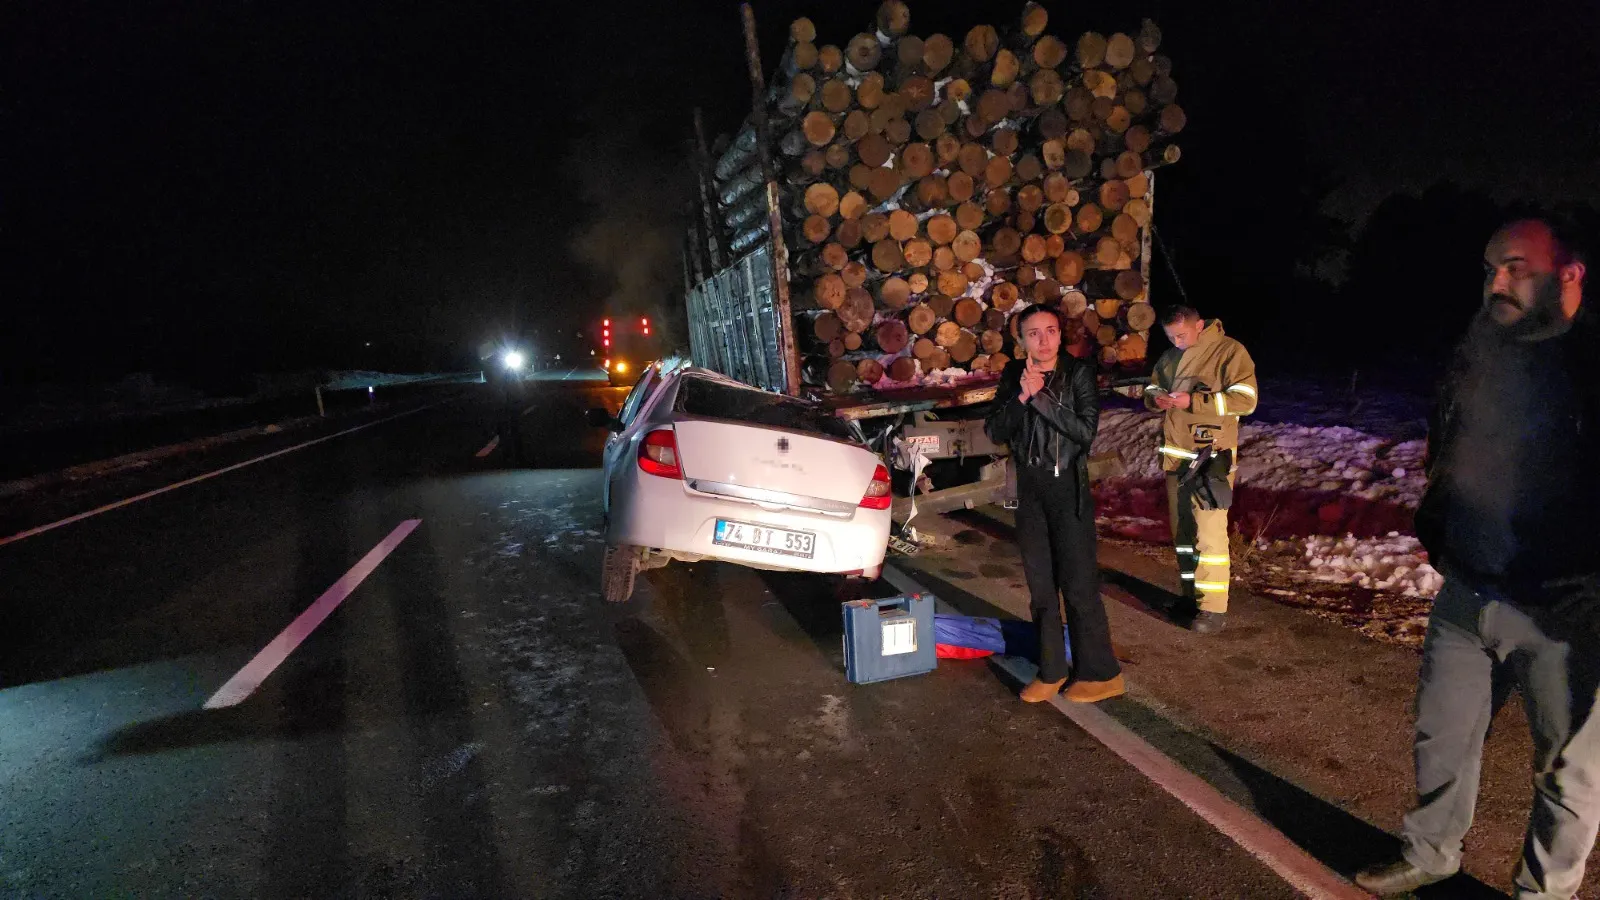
{"x":1203,"y":385}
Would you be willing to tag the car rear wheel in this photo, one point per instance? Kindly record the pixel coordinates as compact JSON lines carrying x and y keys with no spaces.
{"x":619,"y":569}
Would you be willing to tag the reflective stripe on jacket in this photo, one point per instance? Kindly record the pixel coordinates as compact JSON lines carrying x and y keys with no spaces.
{"x":1220,"y":377}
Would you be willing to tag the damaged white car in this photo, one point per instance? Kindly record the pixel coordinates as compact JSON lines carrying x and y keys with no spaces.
{"x":702,"y":467}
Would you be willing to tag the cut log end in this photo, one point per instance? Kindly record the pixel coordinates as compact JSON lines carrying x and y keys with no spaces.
{"x":1149,"y":37}
{"x":828,"y":292}
{"x":982,"y":42}
{"x":894,"y":18}
{"x":937,"y":52}
{"x":895,"y":294}
{"x":1003,"y":295}
{"x":1091,"y":50}
{"x":883,"y":183}
{"x":1005,"y":70}
{"x":842,"y":376}
{"x":917,"y":253}
{"x":822,"y":199}
{"x":903,"y":225}
{"x":830,"y":59}
{"x":967,"y":245}
{"x":886,"y":256}
{"x":1120,"y":51}
{"x":1033,"y":249}
{"x":968,"y":312}
{"x":942,"y":229}
{"x":1070,"y":266}
{"x":827,"y":327}
{"x":1074,"y":304}
{"x":816,"y":229}
{"x":856,"y":312}
{"x":1129,"y":285}
{"x":1035,"y":19}
{"x":892,"y":336}
{"x":1141,"y":316}
{"x":1049,"y":52}
{"x":818,"y":128}
{"x":1090,"y":218}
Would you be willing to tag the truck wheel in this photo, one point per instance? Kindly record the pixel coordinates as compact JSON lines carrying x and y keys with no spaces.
{"x":618,"y":571}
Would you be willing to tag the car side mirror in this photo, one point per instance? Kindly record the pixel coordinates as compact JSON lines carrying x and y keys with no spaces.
{"x":599,"y":417}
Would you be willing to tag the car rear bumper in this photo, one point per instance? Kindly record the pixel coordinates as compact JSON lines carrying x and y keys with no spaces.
{"x":661,"y":513}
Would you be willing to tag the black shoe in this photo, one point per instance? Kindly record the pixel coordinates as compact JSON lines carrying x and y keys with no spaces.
{"x":1398,"y":877}
{"x":1208,"y":623}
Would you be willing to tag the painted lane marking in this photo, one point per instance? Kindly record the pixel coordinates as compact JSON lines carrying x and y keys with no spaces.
{"x":245,"y":682}
{"x":489,"y":447}
{"x":41,"y":529}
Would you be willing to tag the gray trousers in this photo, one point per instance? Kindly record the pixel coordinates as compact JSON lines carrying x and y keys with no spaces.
{"x":1476,"y":650}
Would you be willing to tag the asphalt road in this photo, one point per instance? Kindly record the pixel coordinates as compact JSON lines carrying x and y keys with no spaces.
{"x":472,"y":721}
{"x":32,"y":450}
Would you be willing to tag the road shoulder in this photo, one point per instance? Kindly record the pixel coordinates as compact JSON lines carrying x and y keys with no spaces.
{"x":1304,"y":721}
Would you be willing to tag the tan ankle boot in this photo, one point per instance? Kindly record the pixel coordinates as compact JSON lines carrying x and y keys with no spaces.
{"x":1095,"y":691}
{"x":1040,"y":691}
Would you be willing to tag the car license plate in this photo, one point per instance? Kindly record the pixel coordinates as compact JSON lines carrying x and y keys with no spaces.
{"x":769,"y":540}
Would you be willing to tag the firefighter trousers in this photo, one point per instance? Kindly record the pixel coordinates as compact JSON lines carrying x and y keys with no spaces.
{"x":1200,"y":537}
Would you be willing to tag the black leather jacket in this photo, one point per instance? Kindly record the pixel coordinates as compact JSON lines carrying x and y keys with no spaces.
{"x":1056,"y":427}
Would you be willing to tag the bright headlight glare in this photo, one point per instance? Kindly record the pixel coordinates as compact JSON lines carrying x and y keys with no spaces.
{"x":513,"y":359}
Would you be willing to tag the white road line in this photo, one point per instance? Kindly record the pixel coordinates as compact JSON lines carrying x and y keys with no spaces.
{"x":41,"y":529}
{"x":1304,"y":872}
{"x":250,"y":677}
{"x":489,"y":447}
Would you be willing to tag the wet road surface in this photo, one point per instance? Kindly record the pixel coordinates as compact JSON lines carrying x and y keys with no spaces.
{"x":472,"y":721}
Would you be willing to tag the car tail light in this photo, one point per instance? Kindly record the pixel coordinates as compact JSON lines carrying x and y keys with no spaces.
{"x":877,"y":496}
{"x":658,"y":454}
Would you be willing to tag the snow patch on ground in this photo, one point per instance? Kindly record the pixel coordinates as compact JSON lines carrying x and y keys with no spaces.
{"x":1285,"y":457}
{"x":1343,"y":477}
{"x":1394,"y":563}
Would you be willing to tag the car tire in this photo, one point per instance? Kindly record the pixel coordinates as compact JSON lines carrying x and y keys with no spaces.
{"x":618,"y":572}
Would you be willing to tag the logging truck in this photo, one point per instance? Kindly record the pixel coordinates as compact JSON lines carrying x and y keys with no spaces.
{"x":865,"y":236}
{"x":626,"y":344}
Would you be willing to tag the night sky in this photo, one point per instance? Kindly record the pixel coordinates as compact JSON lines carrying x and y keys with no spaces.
{"x":268,"y":185}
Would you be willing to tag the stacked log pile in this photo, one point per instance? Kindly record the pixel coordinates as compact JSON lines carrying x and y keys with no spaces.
{"x":932,"y":186}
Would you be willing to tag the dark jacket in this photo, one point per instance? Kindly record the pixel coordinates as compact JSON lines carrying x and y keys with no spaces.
{"x":1514,"y":464}
{"x":1056,"y":427}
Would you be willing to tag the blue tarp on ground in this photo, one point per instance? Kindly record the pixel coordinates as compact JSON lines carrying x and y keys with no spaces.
{"x":1009,"y":637}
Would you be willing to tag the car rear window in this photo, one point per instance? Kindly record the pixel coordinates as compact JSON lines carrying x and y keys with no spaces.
{"x":714,"y":399}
